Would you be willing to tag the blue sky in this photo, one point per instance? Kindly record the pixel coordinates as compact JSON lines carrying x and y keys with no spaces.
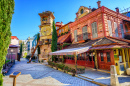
{"x":26,"y":20}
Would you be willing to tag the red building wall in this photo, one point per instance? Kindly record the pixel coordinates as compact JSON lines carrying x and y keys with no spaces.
{"x":100,"y":16}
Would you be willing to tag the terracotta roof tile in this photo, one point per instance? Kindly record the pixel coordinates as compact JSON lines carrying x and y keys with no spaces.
{"x":63,"y":38}
{"x":14,"y":37}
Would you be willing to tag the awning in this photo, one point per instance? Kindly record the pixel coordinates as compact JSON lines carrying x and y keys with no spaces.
{"x":109,"y":47}
{"x":71,"y":51}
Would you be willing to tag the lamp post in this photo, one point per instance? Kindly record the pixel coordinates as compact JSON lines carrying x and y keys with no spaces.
{"x":11,"y":54}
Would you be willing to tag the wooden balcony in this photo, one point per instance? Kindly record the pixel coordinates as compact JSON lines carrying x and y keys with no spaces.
{"x":83,"y":36}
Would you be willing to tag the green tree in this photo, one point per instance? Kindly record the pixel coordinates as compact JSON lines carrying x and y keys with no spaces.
{"x":38,"y":37}
{"x":21,"y":48}
{"x":6,"y":11}
{"x":54,"y":38}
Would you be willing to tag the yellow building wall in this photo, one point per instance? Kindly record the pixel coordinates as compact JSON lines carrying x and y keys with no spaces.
{"x":125,"y":55}
{"x":63,"y":29}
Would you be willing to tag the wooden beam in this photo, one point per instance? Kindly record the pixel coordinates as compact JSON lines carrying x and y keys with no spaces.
{"x":75,"y":56}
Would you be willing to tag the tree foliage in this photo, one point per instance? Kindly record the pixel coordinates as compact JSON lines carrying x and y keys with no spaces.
{"x":38,"y":37}
{"x":6,"y":11}
{"x":54,"y":38}
{"x":21,"y":48}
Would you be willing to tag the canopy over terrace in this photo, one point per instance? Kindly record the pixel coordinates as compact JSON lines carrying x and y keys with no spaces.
{"x":71,"y":51}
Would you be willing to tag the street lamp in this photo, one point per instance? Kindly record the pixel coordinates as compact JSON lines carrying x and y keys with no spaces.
{"x":11,"y":54}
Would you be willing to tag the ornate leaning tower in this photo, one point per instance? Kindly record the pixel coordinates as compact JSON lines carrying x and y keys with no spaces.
{"x":46,"y":30}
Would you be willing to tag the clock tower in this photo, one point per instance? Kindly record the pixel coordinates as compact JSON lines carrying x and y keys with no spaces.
{"x":46,"y":30}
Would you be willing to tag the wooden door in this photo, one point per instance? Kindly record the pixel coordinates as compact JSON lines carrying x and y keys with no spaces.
{"x":105,"y":60}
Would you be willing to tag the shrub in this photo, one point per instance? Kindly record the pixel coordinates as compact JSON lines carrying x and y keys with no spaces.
{"x":28,"y":57}
{"x":66,"y":68}
{"x":61,"y":66}
{"x":73,"y":71}
{"x":61,"y":34}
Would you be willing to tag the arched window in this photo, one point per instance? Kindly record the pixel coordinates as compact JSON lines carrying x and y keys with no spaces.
{"x":81,"y":11}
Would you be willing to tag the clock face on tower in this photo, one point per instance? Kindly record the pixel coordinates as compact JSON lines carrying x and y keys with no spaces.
{"x":46,"y":30}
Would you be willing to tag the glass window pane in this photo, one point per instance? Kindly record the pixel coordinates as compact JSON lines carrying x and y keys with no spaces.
{"x":108,"y":57}
{"x":102,"y":58}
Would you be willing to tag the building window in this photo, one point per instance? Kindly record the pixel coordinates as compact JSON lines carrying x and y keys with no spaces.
{"x":109,"y":27}
{"x":116,"y":29}
{"x":81,"y":11}
{"x":126,"y":29}
{"x":102,"y":58}
{"x":59,"y":31}
{"x":84,"y":31}
{"x":94,"y":30}
{"x":108,"y":57}
{"x":75,"y":35}
{"x":122,"y":30}
{"x":83,"y":56}
{"x":44,"y":19}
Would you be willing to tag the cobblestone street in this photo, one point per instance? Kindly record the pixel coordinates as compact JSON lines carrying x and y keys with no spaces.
{"x":40,"y":71}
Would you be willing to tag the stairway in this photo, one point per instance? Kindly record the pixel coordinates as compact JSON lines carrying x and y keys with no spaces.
{"x":34,"y":51}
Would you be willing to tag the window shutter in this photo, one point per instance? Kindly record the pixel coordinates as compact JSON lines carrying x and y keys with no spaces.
{"x":109,"y":27}
{"x":75,"y":35}
{"x":122,"y":30}
{"x":84,"y":31}
{"x":94,"y":30}
{"x":116,"y":29}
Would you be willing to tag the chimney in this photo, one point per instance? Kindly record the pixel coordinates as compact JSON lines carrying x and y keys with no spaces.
{"x":99,"y":2}
{"x":117,"y":9}
{"x":90,"y":9}
{"x":77,"y":14}
{"x":61,"y":22}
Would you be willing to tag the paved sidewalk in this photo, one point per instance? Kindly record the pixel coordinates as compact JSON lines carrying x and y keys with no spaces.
{"x":36,"y":74}
{"x":104,"y":78}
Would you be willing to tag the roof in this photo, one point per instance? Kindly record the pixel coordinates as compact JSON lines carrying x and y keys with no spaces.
{"x":63,"y":38}
{"x":71,"y":51}
{"x":109,"y":47}
{"x":14,"y":37}
{"x":101,"y":42}
{"x":47,"y":13}
{"x":64,"y":25}
{"x":89,"y":43}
